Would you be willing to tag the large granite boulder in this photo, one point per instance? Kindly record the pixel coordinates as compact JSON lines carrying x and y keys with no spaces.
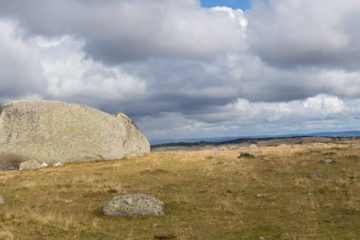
{"x":135,"y":142}
{"x":51,"y":131}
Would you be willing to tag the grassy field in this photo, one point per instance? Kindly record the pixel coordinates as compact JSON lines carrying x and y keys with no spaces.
{"x":209,"y":194}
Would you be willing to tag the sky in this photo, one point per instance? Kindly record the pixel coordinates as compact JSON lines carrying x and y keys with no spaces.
{"x":188,"y":69}
{"x":235,"y":4}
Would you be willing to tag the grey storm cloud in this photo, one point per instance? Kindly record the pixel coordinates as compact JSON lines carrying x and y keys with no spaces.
{"x":117,"y":31}
{"x":295,"y":33}
{"x":174,"y":65}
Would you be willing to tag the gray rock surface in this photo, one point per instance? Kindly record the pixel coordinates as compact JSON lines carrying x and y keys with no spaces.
{"x":2,"y":201}
{"x":31,"y":165}
{"x":248,"y":154}
{"x":135,"y":143}
{"x":317,"y":175}
{"x":140,"y":204}
{"x":51,"y":131}
{"x":58,"y":164}
{"x":327,"y":161}
{"x":355,"y":145}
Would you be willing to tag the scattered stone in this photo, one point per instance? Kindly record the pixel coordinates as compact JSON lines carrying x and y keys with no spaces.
{"x":155,"y":225}
{"x":2,"y":201}
{"x":44,"y":165}
{"x":317,"y":175}
{"x":315,"y":150}
{"x":283,"y":145}
{"x":153,"y":170}
{"x":253,"y":146}
{"x":261,"y":238}
{"x":319,"y":144}
{"x":265,"y":159}
{"x":58,"y":164}
{"x":30,"y":165}
{"x":355,"y":145}
{"x":164,"y":236}
{"x":261,"y":195}
{"x":328,"y":161}
{"x":248,"y":154}
{"x":141,"y":204}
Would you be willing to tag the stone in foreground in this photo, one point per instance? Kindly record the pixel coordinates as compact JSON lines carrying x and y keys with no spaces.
{"x":140,"y":204}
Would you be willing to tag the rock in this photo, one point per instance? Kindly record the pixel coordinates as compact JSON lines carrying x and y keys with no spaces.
{"x":327,"y":161}
{"x":248,"y":154}
{"x":136,"y":143}
{"x":283,"y":145}
{"x":265,"y":159}
{"x":51,"y":131}
{"x":319,"y":144}
{"x":355,"y":145}
{"x":153,"y":170}
{"x":58,"y":164}
{"x":155,"y":225}
{"x":261,"y":238}
{"x":261,"y":195}
{"x":317,"y":175}
{"x":253,"y":146}
{"x":141,"y":204}
{"x":2,"y":201}
{"x":44,"y":165}
{"x":30,"y":165}
{"x":164,"y":236}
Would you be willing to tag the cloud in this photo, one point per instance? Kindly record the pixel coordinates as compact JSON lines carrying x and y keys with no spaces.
{"x":20,"y":71}
{"x":118,"y":31}
{"x":292,"y":33}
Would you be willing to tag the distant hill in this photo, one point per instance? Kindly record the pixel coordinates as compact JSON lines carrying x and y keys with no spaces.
{"x":222,"y":140}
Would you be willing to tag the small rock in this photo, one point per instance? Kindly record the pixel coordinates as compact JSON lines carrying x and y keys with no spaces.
{"x":2,"y":201}
{"x":155,"y":225}
{"x":319,"y":144}
{"x":317,"y":175}
{"x":141,"y":204}
{"x":261,"y":195}
{"x":261,"y":238}
{"x":265,"y":159}
{"x":248,"y":154}
{"x":315,"y":150}
{"x":283,"y":145}
{"x":327,"y":161}
{"x":58,"y":164}
{"x":164,"y":236}
{"x":30,"y":165}
{"x":153,"y":170}
{"x":253,"y":146}
{"x":44,"y":165}
{"x":355,"y":145}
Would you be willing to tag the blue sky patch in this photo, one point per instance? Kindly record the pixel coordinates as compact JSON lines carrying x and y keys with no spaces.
{"x":235,"y":4}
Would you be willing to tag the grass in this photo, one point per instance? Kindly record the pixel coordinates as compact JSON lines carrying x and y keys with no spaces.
{"x":209,"y":194}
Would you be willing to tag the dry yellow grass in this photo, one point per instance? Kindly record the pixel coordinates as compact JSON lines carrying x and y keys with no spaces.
{"x":209,"y":194}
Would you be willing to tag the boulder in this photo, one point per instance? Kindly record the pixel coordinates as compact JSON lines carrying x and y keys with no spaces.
{"x":31,"y":165}
{"x":135,"y":143}
{"x":248,"y":154}
{"x":140,"y":204}
{"x":52,"y":131}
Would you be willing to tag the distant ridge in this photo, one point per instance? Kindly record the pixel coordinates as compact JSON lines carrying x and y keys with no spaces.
{"x":222,"y":140}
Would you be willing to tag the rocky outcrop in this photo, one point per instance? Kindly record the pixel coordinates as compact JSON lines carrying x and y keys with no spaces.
{"x":135,"y":142}
{"x":140,"y":204}
{"x":51,"y":132}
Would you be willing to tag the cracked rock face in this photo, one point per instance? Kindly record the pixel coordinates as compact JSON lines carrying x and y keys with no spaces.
{"x":140,"y":204}
{"x":51,"y":132}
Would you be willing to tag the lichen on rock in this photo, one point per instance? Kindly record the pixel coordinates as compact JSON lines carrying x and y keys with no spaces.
{"x":141,"y":204}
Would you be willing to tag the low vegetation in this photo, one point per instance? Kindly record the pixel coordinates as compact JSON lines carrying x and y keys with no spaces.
{"x":10,"y":161}
{"x":208,"y":194}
